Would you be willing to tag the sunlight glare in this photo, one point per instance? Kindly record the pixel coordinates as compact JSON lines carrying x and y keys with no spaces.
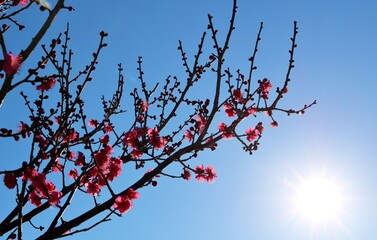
{"x":319,"y":200}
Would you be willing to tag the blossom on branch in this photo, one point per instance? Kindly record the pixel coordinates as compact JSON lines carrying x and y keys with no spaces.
{"x":250,"y":111}
{"x":73,"y":173}
{"x":11,"y":63}
{"x":238,"y":95}
{"x":264,"y":88}
{"x":207,"y":174}
{"x":274,"y":124}
{"x":251,"y":134}
{"x":210,"y":174}
{"x":188,"y":135}
{"x":186,"y":174}
{"x":200,"y":123}
{"x":93,"y":123}
{"x":123,"y":203}
{"x":229,"y":110}
{"x":155,"y":139}
{"x":108,"y":128}
{"x":10,"y":180}
{"x":80,"y":160}
{"x":173,"y":110}
{"x":46,"y":84}
{"x":93,"y":188}
{"x":226,"y":133}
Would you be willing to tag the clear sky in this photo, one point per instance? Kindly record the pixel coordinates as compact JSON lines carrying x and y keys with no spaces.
{"x":336,"y":64}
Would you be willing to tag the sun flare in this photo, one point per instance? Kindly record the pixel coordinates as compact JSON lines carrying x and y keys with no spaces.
{"x":319,"y":200}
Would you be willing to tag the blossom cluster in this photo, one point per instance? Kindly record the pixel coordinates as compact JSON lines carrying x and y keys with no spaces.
{"x":123,"y":203}
{"x":264,"y":88}
{"x":133,"y":139}
{"x":40,"y":187}
{"x":106,"y":169}
{"x":207,"y":174}
{"x":199,"y":124}
{"x":11,"y":63}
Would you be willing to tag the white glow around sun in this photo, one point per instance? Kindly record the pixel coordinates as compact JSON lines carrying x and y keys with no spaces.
{"x":319,"y":200}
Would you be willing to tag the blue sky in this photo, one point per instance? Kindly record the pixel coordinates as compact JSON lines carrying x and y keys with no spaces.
{"x":335,"y":64}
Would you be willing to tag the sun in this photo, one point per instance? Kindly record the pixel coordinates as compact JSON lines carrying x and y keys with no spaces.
{"x":319,"y":200}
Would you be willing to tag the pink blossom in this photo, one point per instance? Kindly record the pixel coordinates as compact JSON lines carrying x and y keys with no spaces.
{"x":223,"y":128}
{"x":38,"y":181}
{"x":200,"y":174}
{"x":199,"y":169}
{"x":73,"y":173}
{"x":104,"y":139}
{"x":70,"y":136}
{"x":122,"y":204}
{"x":251,"y":134}
{"x":49,"y":187}
{"x":93,"y":123}
{"x":131,"y":138}
{"x":260,"y":127}
{"x":228,"y":135}
{"x":24,"y":129}
{"x":101,"y":180}
{"x":238,"y":95}
{"x":46,"y":84}
{"x":92,"y":173}
{"x":155,"y":139}
{"x":115,"y":168}
{"x":144,"y":106}
{"x":54,"y":198}
{"x":57,"y":167}
{"x":200,"y":177}
{"x":93,"y":188}
{"x":10,"y":180}
{"x":43,"y":189}
{"x":205,"y":174}
{"x":188,"y":135}
{"x":132,"y":194}
{"x":108,"y":149}
{"x":11,"y":63}
{"x":200,"y":123}
{"x":274,"y":124}
{"x":34,"y":198}
{"x":186,"y":174}
{"x":229,"y":110}
{"x":42,"y":142}
{"x":102,"y":158}
{"x":211,"y":174}
{"x":140,"y":119}
{"x":29,"y":173}
{"x":268,"y":113}
{"x":80,"y":159}
{"x":58,"y":120}
{"x":108,"y":128}
{"x":250,"y":111}
{"x":264,"y":88}
{"x":136,"y":154}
